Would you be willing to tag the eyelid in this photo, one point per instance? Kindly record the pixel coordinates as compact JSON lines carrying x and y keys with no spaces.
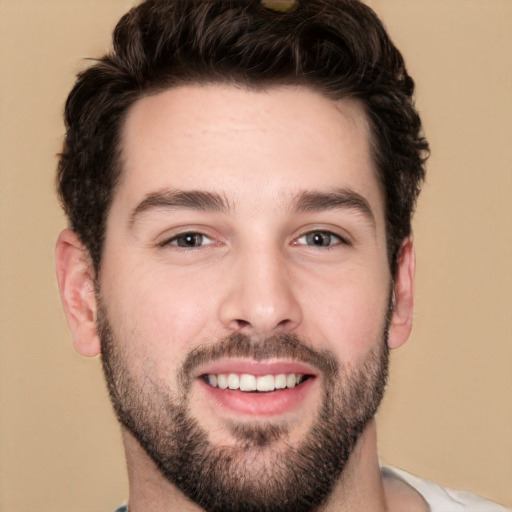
{"x":172,"y":240}
{"x":342,"y":240}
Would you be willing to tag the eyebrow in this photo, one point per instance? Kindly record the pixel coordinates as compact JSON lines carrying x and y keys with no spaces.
{"x":170,"y":199}
{"x":343,"y":198}
{"x":308,"y":201}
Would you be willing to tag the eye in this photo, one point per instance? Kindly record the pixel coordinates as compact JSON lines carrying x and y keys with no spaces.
{"x":188,"y":240}
{"x":320,"y":239}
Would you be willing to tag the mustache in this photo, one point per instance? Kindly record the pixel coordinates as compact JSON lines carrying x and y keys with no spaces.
{"x":283,"y":346}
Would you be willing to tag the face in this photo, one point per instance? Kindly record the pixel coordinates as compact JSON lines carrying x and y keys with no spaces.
{"x":244,"y":291}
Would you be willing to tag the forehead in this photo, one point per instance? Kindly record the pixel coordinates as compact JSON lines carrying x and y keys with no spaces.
{"x":272,"y":143}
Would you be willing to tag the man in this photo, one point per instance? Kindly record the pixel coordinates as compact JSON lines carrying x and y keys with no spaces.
{"x":239,"y":179}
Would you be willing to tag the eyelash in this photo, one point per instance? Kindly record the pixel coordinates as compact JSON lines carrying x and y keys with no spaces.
{"x":323,"y":233}
{"x":189,"y":234}
{"x":175,"y":240}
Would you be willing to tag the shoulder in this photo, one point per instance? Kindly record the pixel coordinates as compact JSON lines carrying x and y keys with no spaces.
{"x":444,"y":499}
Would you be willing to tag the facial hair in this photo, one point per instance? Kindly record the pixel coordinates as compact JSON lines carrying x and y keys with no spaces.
{"x":261,"y":472}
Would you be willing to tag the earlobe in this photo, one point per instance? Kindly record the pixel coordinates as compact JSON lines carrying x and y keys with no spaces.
{"x":403,"y":307}
{"x":76,"y":284}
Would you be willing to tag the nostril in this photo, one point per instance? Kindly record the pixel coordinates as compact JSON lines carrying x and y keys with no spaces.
{"x":242,"y":323}
{"x":283,"y":323}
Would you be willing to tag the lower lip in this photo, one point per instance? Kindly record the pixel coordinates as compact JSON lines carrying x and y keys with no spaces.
{"x":260,"y":404}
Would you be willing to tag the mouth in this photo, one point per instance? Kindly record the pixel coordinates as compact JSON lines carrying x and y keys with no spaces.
{"x":250,"y":383}
{"x":257,"y":388}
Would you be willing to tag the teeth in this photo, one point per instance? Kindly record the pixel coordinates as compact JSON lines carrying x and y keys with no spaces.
{"x":291,"y":380}
{"x":280,"y":381}
{"x":233,"y":381}
{"x":265,"y":383}
{"x":222,"y":381}
{"x":247,"y":382}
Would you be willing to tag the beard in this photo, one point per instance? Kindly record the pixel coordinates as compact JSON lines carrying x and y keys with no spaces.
{"x":262,"y":471}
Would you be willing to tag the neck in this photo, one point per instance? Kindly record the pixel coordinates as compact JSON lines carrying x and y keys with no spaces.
{"x":360,"y":487}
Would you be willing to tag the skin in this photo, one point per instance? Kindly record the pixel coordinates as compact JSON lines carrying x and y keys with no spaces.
{"x":255,"y":270}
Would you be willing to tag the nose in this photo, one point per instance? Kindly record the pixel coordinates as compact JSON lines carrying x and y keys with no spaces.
{"x":259,"y":295}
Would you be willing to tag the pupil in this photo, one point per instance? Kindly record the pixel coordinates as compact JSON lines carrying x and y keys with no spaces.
{"x":320,"y":239}
{"x":192,"y":240}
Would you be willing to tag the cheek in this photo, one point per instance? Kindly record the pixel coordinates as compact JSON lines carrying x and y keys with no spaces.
{"x":348,"y":313}
{"x":156,"y":317}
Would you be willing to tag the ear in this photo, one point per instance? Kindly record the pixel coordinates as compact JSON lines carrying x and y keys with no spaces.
{"x":403,"y":289}
{"x":76,"y":284}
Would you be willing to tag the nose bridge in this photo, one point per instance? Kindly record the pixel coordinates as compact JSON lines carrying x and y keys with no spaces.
{"x":260,"y":298}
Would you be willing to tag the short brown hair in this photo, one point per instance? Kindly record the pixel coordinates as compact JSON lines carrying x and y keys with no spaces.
{"x":338,"y":47}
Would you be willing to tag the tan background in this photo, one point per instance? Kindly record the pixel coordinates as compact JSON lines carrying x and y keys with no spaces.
{"x":448,"y":413}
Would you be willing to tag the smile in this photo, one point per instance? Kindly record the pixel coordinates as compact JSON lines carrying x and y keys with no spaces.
{"x":249,"y":383}
{"x":239,"y":387}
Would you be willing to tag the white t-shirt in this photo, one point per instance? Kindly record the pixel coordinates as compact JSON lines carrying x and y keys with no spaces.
{"x":443,"y":499}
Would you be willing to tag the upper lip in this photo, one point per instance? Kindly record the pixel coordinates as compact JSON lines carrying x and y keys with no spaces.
{"x":258,"y":368}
